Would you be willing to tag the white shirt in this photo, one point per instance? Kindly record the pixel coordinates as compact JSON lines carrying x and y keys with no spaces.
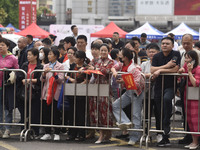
{"x":175,"y":46}
{"x":66,"y":65}
{"x":146,"y":67}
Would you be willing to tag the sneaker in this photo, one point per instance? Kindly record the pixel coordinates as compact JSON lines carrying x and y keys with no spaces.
{"x":36,"y":137}
{"x":167,"y":142}
{"x":124,"y":126}
{"x":164,"y":142}
{"x":46,"y":137}
{"x":6,"y":134}
{"x":159,"y":138}
{"x":131,"y":142}
{"x":56,"y":137}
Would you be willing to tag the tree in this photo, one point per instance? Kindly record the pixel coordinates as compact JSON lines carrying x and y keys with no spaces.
{"x":11,"y":7}
{"x":42,"y":11}
{"x":3,"y":15}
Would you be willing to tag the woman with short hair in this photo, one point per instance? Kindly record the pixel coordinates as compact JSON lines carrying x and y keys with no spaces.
{"x":32,"y":64}
{"x":8,"y":61}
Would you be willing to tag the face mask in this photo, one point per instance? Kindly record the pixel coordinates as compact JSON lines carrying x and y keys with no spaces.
{"x":41,"y":56}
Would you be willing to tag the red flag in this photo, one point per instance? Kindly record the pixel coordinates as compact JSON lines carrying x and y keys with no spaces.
{"x":93,"y":71}
{"x":129,"y":81}
{"x":52,"y":88}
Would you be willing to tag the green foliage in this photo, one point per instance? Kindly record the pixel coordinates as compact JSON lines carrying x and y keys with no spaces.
{"x":42,"y":11}
{"x":3,"y":15}
{"x":11,"y":7}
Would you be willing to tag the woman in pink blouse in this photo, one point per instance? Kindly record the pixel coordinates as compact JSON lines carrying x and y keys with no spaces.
{"x":46,"y":110}
{"x":9,"y":61}
{"x":193,"y":69}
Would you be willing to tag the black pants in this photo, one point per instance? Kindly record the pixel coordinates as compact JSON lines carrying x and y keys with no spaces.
{"x":46,"y":116}
{"x":35,"y":112}
{"x":79,"y":117}
{"x":167,"y":109}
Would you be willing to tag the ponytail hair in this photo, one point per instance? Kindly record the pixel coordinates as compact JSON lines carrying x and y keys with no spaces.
{"x":82,"y":55}
{"x":135,"y":57}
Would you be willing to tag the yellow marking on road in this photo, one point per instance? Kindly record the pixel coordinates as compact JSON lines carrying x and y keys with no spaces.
{"x":171,"y":128}
{"x":120,"y":143}
{"x":7,"y":146}
{"x":176,"y":138}
{"x":14,"y":134}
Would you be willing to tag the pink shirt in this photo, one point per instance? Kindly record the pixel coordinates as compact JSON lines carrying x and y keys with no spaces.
{"x":9,"y":62}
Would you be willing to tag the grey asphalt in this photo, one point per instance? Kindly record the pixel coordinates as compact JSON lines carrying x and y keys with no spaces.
{"x":13,"y":143}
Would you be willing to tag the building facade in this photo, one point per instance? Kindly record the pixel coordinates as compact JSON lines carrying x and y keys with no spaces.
{"x":127,"y":14}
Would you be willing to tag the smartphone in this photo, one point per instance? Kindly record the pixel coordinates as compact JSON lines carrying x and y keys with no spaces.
{"x":175,"y":58}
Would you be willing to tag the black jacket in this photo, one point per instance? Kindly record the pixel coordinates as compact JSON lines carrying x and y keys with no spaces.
{"x":23,"y":57}
{"x":36,"y":90}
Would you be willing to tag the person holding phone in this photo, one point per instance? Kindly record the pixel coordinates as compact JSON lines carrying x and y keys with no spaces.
{"x":166,"y":61}
{"x":193,"y":69}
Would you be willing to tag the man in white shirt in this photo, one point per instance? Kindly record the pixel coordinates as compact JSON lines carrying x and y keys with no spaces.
{"x":74,"y":30}
{"x":81,"y":46}
{"x":171,"y":35}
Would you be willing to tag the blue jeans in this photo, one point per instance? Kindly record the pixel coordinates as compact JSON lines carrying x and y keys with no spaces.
{"x":129,"y":97}
{"x":7,"y":113}
{"x":167,"y":109}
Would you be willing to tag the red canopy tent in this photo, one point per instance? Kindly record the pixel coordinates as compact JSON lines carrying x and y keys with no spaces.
{"x":108,"y":31}
{"x":35,"y":31}
{"x":1,"y":26}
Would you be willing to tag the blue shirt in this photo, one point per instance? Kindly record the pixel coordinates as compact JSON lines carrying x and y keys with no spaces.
{"x":51,"y":65}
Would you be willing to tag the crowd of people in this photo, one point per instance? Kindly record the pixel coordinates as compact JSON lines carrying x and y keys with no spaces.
{"x":136,"y":56}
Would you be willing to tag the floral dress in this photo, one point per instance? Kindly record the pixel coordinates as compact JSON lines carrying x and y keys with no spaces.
{"x":104,"y":113}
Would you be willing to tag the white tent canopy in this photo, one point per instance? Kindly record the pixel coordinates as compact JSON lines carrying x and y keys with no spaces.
{"x":183,"y":29}
{"x":152,"y":33}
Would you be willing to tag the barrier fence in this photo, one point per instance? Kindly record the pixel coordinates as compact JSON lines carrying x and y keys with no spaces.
{"x":77,"y":90}
{"x":8,"y":101}
{"x":192,"y":93}
{"x":87,"y":90}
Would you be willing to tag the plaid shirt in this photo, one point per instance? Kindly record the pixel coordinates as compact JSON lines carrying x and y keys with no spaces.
{"x":137,"y":75}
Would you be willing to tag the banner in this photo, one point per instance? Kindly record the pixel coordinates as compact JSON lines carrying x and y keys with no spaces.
{"x":154,"y":7}
{"x":129,"y":81}
{"x":27,"y":13}
{"x":187,"y":7}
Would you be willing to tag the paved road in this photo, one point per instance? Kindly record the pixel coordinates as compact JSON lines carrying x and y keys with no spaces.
{"x":116,"y":144}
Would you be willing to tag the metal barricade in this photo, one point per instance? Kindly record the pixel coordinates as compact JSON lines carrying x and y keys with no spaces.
{"x":191,"y":93}
{"x":143,"y":111}
{"x":75,"y":90}
{"x":6,"y":87}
